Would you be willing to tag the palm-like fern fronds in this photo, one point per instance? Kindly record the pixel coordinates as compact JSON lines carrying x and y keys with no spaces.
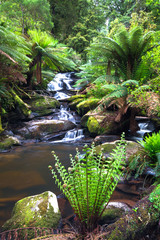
{"x":89,"y":182}
{"x":124,"y":51}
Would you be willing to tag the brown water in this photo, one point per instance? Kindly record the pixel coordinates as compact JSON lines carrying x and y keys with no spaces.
{"x":24,"y":172}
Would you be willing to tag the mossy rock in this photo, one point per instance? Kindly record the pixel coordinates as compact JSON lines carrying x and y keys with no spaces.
{"x":35,"y":211}
{"x":94,"y":126}
{"x":131,"y":147}
{"x":111,"y":214}
{"x":103,"y":123}
{"x":6,"y":142}
{"x":87,"y":105}
{"x":75,"y":97}
{"x":73,"y":104}
{"x":43,"y":104}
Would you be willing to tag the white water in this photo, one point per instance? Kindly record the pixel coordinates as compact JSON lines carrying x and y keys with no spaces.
{"x":72,"y":136}
{"x":144,"y":127}
{"x":65,"y":115}
{"x":60,"y":81}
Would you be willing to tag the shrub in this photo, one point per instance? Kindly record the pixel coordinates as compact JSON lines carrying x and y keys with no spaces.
{"x":89,"y":182}
{"x":151,"y":144}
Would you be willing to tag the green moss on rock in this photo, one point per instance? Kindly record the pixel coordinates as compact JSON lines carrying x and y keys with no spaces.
{"x":94,"y":126}
{"x":35,"y":211}
{"x":43,"y":104}
{"x":87,"y":105}
{"x":6,"y":142}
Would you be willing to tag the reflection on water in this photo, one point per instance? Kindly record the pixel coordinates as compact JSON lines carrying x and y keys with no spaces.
{"x":24,"y":172}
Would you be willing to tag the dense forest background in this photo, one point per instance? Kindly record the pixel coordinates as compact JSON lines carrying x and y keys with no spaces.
{"x":111,"y":41}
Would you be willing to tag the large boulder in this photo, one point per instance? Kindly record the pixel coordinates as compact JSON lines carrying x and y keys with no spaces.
{"x":103,"y":123}
{"x":35,"y":211}
{"x":40,"y":128}
{"x":86,"y":105}
{"x":42,"y":105}
{"x":131,"y":147}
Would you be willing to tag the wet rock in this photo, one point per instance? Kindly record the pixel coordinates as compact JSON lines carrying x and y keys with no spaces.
{"x":103,"y":123}
{"x":39,"y":129}
{"x":42,"y":105}
{"x":131,"y":147}
{"x":7,"y":142}
{"x":87,"y":105}
{"x":35,"y":211}
{"x":105,"y":138}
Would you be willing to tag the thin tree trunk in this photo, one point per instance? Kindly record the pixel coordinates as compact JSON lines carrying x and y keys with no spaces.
{"x":109,"y":68}
{"x":38,"y":71}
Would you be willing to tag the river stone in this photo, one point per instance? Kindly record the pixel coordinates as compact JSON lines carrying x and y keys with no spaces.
{"x":38,"y":129}
{"x":43,"y":105}
{"x":35,"y":211}
{"x":6,"y":142}
{"x":131,"y":147}
{"x":103,"y":123}
{"x":87,"y":105}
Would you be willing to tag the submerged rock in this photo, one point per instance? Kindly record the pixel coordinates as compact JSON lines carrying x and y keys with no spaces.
{"x":35,"y":211}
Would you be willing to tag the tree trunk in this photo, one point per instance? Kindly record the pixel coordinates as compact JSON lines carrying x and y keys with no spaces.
{"x":137,"y":223}
{"x":109,"y":68}
{"x":38,"y":71}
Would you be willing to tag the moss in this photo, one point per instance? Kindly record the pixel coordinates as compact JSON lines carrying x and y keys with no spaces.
{"x":94,"y":126}
{"x":87,"y":105}
{"x":8,"y":142}
{"x":73,"y":104}
{"x":155,"y":198}
{"x":76,"y":97}
{"x":24,"y":108}
{"x":34,"y":211}
{"x":41,"y":104}
{"x":111,"y":214}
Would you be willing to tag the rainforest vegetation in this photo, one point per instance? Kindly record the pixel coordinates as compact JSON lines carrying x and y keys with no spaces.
{"x":114,"y":48}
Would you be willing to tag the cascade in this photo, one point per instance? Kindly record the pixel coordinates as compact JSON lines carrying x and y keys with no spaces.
{"x":64,"y":114}
{"x":73,"y":135}
{"x":61,"y":82}
{"x":144,"y":128}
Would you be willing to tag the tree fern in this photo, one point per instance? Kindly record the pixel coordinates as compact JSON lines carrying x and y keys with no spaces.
{"x":89,"y":182}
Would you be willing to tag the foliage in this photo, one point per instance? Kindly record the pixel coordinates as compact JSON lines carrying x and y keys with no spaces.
{"x":13,"y":47}
{"x":26,"y":14}
{"x":155,"y":197}
{"x":122,"y":54}
{"x":151,"y":144}
{"x":89,"y":182}
{"x":47,"y":50}
{"x":137,"y":164}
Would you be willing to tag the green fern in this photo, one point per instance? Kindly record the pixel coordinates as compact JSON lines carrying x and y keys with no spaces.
{"x":89,"y":182}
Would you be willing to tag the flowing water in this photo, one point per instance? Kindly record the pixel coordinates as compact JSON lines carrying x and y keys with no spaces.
{"x":24,"y":170}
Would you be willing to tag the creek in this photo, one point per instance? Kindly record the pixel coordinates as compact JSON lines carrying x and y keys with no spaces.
{"x":24,"y":170}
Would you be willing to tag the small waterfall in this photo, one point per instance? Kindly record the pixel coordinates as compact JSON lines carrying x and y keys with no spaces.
{"x":73,"y":135}
{"x":56,"y":84}
{"x":65,"y":115}
{"x":60,"y":82}
{"x":144,"y":128}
